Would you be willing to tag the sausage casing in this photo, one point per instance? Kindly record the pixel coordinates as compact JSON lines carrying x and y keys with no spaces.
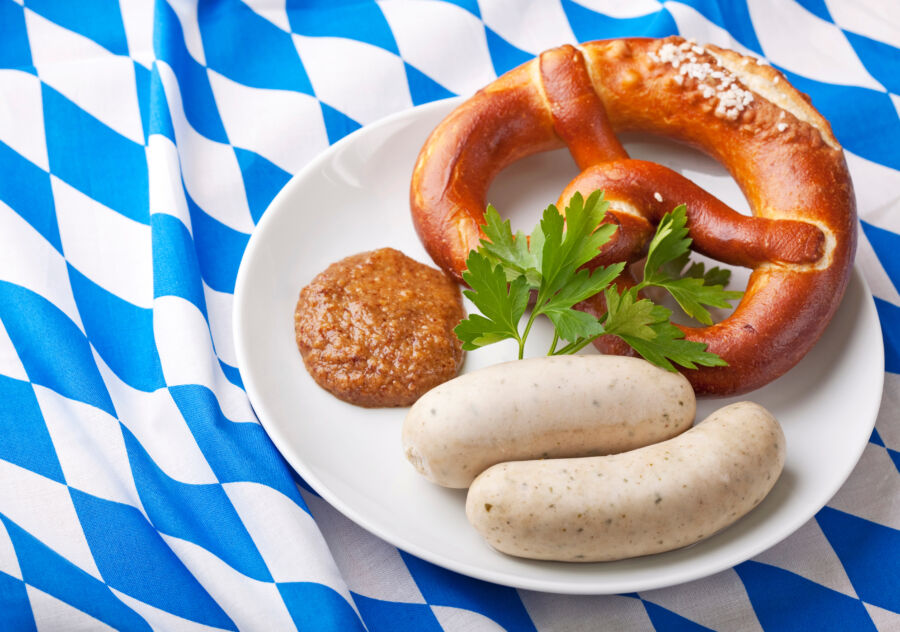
{"x":550,"y":407}
{"x":653,"y":499}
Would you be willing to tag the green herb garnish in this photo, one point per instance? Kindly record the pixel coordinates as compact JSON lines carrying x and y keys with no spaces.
{"x":504,"y":271}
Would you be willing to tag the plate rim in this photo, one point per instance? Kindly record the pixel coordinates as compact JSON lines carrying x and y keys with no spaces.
{"x":576,"y":587}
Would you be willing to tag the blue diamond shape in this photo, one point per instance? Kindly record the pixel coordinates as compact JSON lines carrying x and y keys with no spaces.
{"x":176,"y":271}
{"x":785,"y":601}
{"x":196,"y":94}
{"x":870,"y":128}
{"x":134,"y":559}
{"x":121,"y":332}
{"x":889,"y":315}
{"x":24,"y":439}
{"x":262,"y":180}
{"x":16,"y":611}
{"x":870,"y":553}
{"x":47,"y":570}
{"x":235,"y":451}
{"x":96,"y":160}
{"x":337,"y":124}
{"x":504,"y":56}
{"x":359,"y":20}
{"x":52,"y":349}
{"x":186,"y":511}
{"x":219,"y":248}
{"x":98,"y":20}
{"x":424,"y":89}
{"x":664,"y":619}
{"x":14,"y":49}
{"x":317,"y":607}
{"x":441,"y":587}
{"x":386,"y":616}
{"x":25,"y":187}
{"x":230,"y":29}
{"x":589,"y":25}
{"x":733,"y":16}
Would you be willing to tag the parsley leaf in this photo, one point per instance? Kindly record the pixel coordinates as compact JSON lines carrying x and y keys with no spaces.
{"x":508,"y":269}
{"x":667,"y":256}
{"x":574,"y":325}
{"x":583,"y":284}
{"x":510,"y":251}
{"x":697,"y":270}
{"x":626,"y":316}
{"x":502,"y":304}
{"x":564,"y":251}
{"x":666,"y":343}
{"x":670,"y":242}
{"x":692,"y":295}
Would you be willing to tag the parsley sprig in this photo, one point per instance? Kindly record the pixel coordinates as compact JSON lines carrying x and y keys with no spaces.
{"x":504,"y":271}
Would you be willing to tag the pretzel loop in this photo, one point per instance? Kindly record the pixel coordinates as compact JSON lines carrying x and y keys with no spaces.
{"x":799,"y":242}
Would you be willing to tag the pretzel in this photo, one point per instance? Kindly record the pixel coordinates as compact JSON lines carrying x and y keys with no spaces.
{"x":800,"y":241}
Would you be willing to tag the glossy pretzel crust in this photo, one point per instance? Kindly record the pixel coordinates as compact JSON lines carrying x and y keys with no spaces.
{"x":781,"y":152}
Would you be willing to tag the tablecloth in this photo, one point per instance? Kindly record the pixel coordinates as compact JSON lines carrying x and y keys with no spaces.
{"x":140,"y":142}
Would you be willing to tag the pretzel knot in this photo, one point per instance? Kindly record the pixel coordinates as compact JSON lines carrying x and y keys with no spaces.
{"x":799,"y":242}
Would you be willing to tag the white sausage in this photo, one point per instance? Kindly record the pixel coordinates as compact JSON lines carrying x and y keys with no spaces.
{"x":548,"y":407}
{"x":653,"y":499}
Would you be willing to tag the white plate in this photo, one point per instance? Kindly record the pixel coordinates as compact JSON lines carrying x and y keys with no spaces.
{"x":354,"y":197}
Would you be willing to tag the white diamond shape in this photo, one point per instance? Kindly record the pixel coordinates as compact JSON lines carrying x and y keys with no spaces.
{"x":164,"y":176}
{"x":807,"y":45}
{"x":532,"y":26}
{"x":286,"y":536}
{"x":219,"y":308}
{"x":887,"y":426}
{"x":10,"y":364}
{"x":44,"y":509}
{"x":158,"y":425}
{"x":251,"y":604}
{"x":442,"y":40}
{"x":52,"y":614}
{"x":211,"y":173}
{"x":89,"y":446}
{"x":187,"y":355}
{"x":808,"y":554}
{"x":368,"y":564}
{"x":569,"y":612}
{"x":94,"y":235}
{"x":190,"y":26}
{"x":27,"y":259}
{"x":883,"y":619}
{"x":100,"y":83}
{"x":137,"y":18}
{"x":872,"y":18}
{"x":701,"y":601}
{"x":22,"y":116}
{"x":284,"y":127}
{"x":874,"y":480}
{"x":9,"y":561}
{"x":364,"y":82}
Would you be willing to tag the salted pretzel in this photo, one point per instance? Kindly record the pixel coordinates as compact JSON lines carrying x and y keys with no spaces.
{"x":799,"y":242}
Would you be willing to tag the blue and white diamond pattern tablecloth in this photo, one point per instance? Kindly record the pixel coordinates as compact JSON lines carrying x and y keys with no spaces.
{"x":140,"y":142}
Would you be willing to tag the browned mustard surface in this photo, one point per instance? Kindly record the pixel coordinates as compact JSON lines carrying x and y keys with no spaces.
{"x":376,"y":329}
